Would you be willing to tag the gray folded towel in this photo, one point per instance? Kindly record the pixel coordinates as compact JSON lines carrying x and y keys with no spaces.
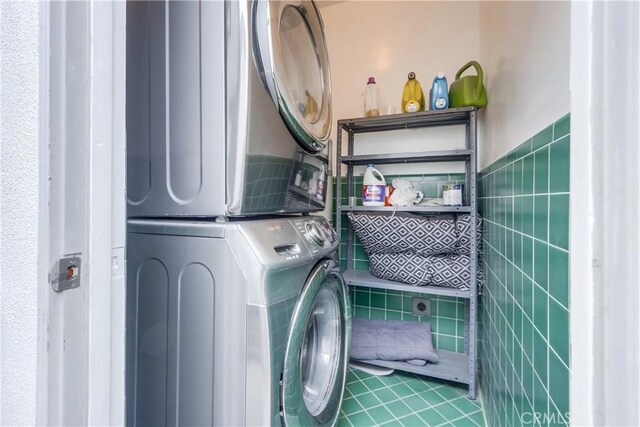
{"x":374,"y":339}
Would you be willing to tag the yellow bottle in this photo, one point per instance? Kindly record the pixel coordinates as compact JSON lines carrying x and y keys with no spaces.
{"x":412,"y":95}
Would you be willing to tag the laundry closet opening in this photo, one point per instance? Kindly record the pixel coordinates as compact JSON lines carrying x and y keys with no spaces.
{"x":235,"y":112}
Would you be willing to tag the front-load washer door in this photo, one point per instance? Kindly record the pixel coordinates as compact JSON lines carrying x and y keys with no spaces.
{"x":291,"y":55}
{"x":317,"y":350}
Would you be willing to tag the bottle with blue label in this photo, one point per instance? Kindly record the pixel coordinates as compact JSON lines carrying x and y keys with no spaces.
{"x":439,"y":93}
{"x":373,"y":187}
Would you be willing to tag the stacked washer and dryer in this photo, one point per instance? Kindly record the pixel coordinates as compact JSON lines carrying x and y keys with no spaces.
{"x":237,"y":313}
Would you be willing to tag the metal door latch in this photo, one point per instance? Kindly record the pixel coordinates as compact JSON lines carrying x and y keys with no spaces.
{"x":65,"y":274}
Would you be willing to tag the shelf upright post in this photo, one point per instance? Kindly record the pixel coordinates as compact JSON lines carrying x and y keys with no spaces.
{"x":350,"y":190}
{"x":339,"y":187}
{"x":466,"y":326}
{"x":467,"y":165}
{"x":473,"y":218}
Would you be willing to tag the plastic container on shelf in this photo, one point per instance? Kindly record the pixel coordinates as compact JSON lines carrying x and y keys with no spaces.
{"x":452,"y":194}
{"x":412,"y":95}
{"x":371,"y":98}
{"x":468,"y":90}
{"x":373,"y":187}
{"x":313,"y":183}
{"x":298,"y":179}
{"x":320,"y":190}
{"x":439,"y":93}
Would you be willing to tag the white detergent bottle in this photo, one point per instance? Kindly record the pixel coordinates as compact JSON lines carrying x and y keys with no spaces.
{"x":373,"y":187}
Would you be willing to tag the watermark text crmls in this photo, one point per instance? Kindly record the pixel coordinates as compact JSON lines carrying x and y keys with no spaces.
{"x":545,"y":418}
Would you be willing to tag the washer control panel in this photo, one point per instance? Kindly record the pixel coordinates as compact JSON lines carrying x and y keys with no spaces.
{"x":328,"y":231}
{"x":316,"y":231}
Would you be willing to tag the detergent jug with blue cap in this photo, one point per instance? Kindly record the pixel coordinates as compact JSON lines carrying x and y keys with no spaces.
{"x":439,"y":93}
{"x":373,"y":187}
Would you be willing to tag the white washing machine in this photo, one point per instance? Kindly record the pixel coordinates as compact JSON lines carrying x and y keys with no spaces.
{"x":235,"y":323}
{"x":228,"y":108}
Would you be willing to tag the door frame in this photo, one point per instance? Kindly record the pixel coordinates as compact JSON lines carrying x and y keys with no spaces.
{"x":82,"y":212}
{"x":590,"y":295}
{"x":604,"y":205}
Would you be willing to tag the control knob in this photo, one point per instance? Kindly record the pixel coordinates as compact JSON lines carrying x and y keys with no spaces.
{"x":315,"y":233}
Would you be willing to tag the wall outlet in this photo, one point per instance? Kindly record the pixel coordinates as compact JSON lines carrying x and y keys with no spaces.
{"x":421,"y":306}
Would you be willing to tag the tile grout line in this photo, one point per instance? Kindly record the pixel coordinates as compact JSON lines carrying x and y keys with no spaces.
{"x":457,"y":419}
{"x":517,"y":303}
{"x":511,"y":392}
{"x":383,"y":403}
{"x":548,"y":379}
{"x":525,"y":275}
{"x":414,"y":393}
{"x":526,"y":155}
{"x":506,"y":196}
{"x":504,"y":345}
{"x":525,"y":314}
{"x":534,"y":372}
{"x":482,"y":407}
{"x":526,"y":235}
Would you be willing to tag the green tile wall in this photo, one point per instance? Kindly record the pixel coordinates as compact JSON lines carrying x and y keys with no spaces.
{"x":524,"y":329}
{"x":447,"y":313}
{"x":266,"y":181}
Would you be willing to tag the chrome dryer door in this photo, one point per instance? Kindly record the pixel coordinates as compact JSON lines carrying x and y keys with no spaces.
{"x":317,"y":350}
{"x":291,"y":55}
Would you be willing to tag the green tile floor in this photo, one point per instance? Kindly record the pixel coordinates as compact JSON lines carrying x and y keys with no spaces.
{"x":404,"y":399}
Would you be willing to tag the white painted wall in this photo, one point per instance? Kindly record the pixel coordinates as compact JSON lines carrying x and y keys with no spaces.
{"x":18,"y":211}
{"x":524,"y":51}
{"x":390,"y":38}
{"x":387,"y":40}
{"x":523,"y":48}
